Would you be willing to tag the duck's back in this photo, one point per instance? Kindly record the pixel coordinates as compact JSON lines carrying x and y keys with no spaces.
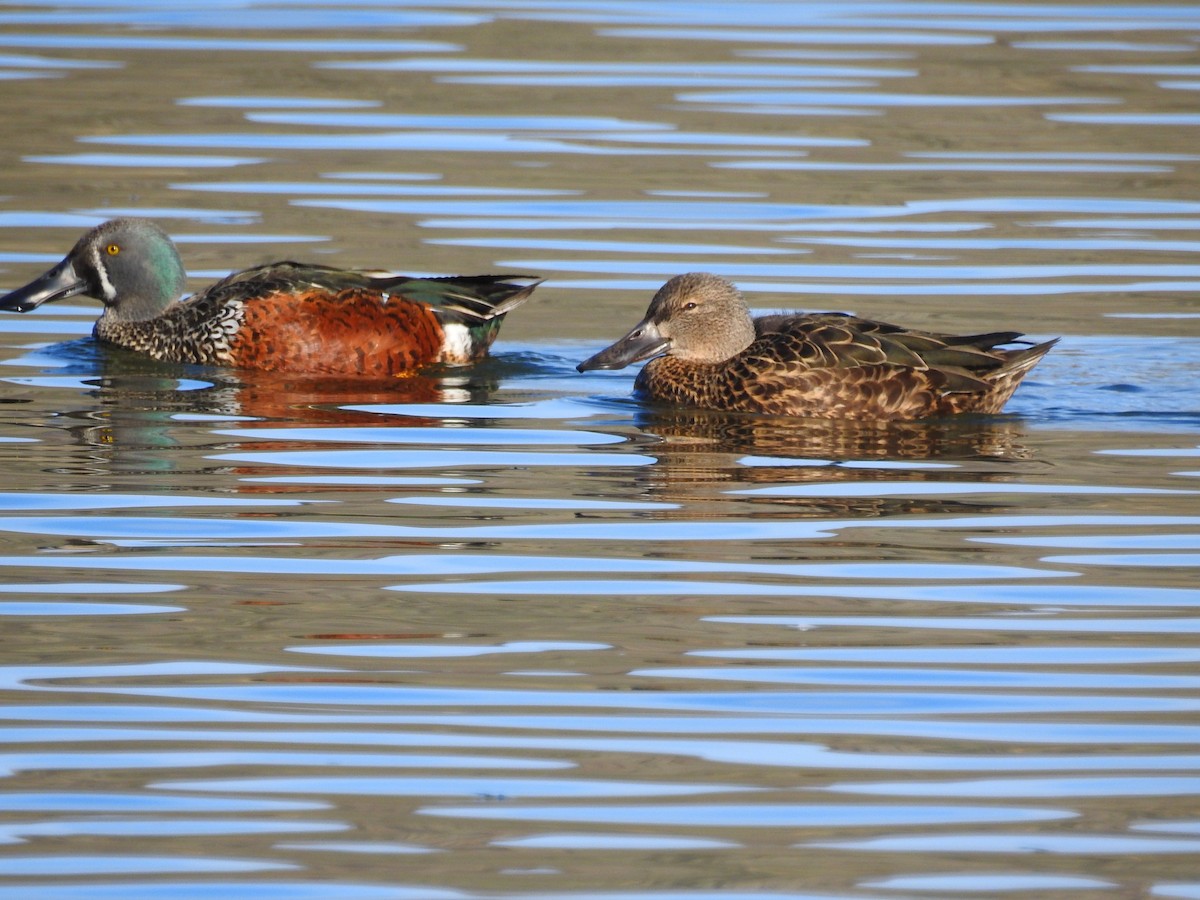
{"x":835,"y":366}
{"x":306,"y":319}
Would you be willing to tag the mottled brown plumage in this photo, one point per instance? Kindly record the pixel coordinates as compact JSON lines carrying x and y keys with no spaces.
{"x":706,"y":351}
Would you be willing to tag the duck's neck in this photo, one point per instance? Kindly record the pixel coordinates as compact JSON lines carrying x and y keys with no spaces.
{"x":671,"y":380}
{"x":723,"y":343}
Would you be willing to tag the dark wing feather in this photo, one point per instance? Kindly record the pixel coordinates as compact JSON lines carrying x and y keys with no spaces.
{"x":841,"y":341}
{"x":470,"y":299}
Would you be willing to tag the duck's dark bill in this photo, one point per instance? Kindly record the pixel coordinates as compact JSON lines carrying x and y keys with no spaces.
{"x":642,"y":342}
{"x":60,"y":282}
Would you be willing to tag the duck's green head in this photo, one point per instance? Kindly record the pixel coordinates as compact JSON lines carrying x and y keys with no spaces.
{"x":131,"y":265}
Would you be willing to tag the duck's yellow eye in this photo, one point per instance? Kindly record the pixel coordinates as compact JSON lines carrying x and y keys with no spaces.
{"x":112,"y":249}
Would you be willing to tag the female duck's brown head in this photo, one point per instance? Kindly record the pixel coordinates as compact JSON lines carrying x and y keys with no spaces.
{"x":695,"y":317}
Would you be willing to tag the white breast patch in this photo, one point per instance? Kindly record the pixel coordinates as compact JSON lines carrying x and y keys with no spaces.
{"x":458,"y":345}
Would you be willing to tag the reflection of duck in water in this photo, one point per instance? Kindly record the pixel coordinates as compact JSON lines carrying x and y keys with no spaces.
{"x":767,"y":439}
{"x":141,"y":406}
{"x":706,"y":351}
{"x":285,"y":316}
{"x":697,"y":451}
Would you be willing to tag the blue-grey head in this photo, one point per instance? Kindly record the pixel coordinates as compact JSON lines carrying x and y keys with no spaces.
{"x":129,"y":264}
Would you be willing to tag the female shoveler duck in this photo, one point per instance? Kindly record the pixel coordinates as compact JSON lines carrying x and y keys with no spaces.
{"x":706,"y":351}
{"x":284,"y":316}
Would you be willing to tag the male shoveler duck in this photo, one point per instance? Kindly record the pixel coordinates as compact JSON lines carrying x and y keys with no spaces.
{"x":284,"y":316}
{"x":706,"y":351}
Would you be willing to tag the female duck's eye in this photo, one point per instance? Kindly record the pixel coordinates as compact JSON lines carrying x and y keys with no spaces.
{"x":112,"y":249}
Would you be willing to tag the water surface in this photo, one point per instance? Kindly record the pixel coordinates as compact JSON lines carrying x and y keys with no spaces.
{"x":501,"y":632}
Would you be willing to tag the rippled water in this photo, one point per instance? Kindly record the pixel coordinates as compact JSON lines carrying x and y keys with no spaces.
{"x":500,"y":632}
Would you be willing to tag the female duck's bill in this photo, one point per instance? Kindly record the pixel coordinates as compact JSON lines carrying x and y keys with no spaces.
{"x":283,"y":316}
{"x":642,"y":342}
{"x":707,"y":351}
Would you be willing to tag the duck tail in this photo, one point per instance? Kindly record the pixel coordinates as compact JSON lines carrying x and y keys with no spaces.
{"x":470,"y":309}
{"x":1017,"y":363}
{"x":473,"y":300}
{"x":1003,"y":380}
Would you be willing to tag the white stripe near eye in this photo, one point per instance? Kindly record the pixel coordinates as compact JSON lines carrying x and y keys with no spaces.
{"x":110,"y":292}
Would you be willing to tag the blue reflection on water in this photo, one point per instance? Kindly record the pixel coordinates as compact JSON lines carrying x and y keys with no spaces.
{"x":219,"y":890}
{"x":9,"y":608}
{"x":115,"y":864}
{"x":671,"y":739}
{"x":277,"y":102}
{"x":637,"y":507}
{"x":147,"y":160}
{"x":441,"y":651}
{"x":613,"y":842}
{"x":436,"y":436}
{"x":77,"y":502}
{"x":273,"y":759}
{"x":1056,"y":655}
{"x":460,"y":121}
{"x":762,"y":815}
{"x":620,"y":729}
{"x":484,"y":787}
{"x":99,"y":802}
{"x":893,"y":702}
{"x":1172,"y":625}
{"x":749,"y":99}
{"x":431,"y":459}
{"x":921,"y":677}
{"x":445,"y":141}
{"x":238,"y":17}
{"x":988,"y":882}
{"x":60,"y":40}
{"x":154,"y":827}
{"x":995,"y":842}
{"x":1056,"y":787}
